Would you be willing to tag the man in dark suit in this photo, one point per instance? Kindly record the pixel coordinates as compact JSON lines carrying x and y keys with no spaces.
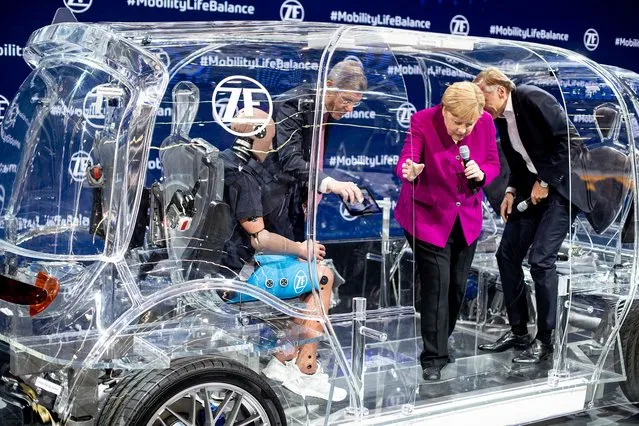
{"x":295,"y":116}
{"x":540,"y":145}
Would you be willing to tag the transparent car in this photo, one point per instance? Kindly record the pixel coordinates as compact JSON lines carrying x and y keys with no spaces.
{"x":118,"y":307}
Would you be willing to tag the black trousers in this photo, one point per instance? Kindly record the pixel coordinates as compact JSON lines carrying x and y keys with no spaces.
{"x":443,"y":273}
{"x":542,"y":228}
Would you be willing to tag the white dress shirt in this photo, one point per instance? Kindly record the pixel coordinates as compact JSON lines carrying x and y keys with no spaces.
{"x":515,"y":140}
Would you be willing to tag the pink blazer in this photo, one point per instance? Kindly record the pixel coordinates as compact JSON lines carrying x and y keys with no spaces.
{"x":427,"y":207}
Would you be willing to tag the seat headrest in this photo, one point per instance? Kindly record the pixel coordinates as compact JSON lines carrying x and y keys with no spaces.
{"x":607,"y":120}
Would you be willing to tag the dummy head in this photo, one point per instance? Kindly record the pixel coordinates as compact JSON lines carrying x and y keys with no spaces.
{"x":258,"y":145}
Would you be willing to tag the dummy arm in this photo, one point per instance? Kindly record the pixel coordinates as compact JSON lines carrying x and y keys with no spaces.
{"x":270,"y":242}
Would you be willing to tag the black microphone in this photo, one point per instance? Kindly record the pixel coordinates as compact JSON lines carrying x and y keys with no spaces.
{"x":464,"y":151}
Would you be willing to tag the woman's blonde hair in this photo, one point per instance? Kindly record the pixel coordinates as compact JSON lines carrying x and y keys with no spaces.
{"x":464,"y":100}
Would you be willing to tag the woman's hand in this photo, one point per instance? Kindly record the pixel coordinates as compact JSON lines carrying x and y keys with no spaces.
{"x":411,"y":170}
{"x":473,"y":171}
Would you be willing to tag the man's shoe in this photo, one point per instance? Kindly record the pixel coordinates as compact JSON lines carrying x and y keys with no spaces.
{"x":535,"y":353}
{"x":432,"y":373}
{"x":507,"y":341}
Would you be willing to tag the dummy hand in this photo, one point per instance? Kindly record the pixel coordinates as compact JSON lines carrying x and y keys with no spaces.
{"x":320,"y":250}
{"x":538,"y":193}
{"x":411,"y":170}
{"x":506,"y":206}
{"x":473,"y":171}
{"x":347,"y":190}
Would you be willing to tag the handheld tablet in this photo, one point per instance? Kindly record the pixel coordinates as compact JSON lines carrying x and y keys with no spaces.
{"x":366,"y":207}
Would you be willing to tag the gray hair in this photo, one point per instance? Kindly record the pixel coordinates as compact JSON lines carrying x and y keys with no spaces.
{"x":492,"y":77}
{"x":348,"y":75}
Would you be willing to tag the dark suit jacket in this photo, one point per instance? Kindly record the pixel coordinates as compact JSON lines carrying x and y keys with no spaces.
{"x":294,"y":117}
{"x":552,"y":143}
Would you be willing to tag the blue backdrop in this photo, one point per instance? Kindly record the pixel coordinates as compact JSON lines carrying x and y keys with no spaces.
{"x":605,"y":31}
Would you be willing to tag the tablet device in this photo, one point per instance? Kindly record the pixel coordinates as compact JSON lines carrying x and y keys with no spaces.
{"x":366,"y":207}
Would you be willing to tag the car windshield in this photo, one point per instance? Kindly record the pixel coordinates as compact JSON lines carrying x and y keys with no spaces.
{"x":54,"y":131}
{"x":67,"y":147}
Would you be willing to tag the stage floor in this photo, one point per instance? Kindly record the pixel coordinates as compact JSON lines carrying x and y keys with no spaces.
{"x":478,"y":387}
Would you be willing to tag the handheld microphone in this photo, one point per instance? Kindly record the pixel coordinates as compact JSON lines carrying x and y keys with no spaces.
{"x":464,"y":152}
{"x":523,"y":206}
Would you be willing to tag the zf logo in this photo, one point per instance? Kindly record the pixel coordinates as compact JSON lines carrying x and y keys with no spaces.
{"x":78,"y":6}
{"x":2,"y":195}
{"x":591,"y":39}
{"x":292,"y":10}
{"x":353,"y":58}
{"x":220,"y":107}
{"x":93,"y":108}
{"x":404,"y":113}
{"x":300,"y":281}
{"x":12,"y":113}
{"x":459,"y":25}
{"x":508,"y":65}
{"x":252,"y":94}
{"x":78,"y":165}
{"x":4,"y":103}
{"x":345,"y":214}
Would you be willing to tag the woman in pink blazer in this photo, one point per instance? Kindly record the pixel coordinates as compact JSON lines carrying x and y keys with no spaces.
{"x":440,"y":207}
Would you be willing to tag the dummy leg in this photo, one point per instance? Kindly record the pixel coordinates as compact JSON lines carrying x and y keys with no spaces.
{"x":307,"y":358}
{"x":286,"y":355}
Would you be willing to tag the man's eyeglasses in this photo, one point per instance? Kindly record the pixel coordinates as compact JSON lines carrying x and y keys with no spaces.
{"x":347,"y":102}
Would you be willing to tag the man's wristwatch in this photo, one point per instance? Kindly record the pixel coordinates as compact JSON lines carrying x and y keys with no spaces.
{"x":542,"y":183}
